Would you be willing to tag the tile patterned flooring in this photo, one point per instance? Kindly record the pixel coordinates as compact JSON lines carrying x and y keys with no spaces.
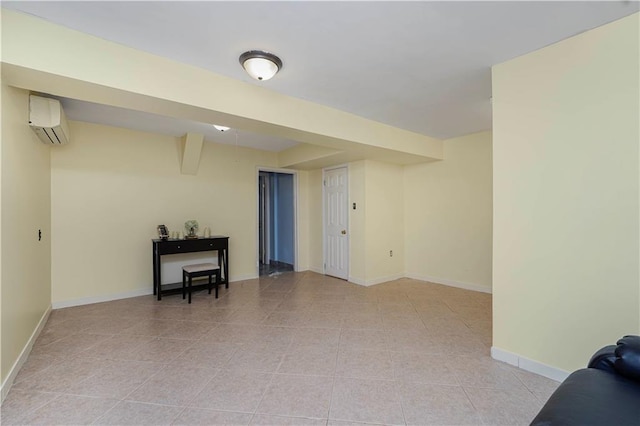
{"x":271,"y":270}
{"x":292,"y":349}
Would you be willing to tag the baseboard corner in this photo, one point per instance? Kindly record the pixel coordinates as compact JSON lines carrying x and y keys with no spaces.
{"x":24,"y":354}
{"x":451,"y":283}
{"x":529,"y":365}
{"x":102,"y":298}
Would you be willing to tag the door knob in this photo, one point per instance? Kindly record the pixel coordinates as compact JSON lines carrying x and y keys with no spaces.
{"x":344,"y":231}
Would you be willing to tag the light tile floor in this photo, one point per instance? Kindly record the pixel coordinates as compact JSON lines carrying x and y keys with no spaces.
{"x":292,"y":349}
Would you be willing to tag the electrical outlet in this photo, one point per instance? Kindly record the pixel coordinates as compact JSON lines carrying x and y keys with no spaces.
{"x":390,"y":253}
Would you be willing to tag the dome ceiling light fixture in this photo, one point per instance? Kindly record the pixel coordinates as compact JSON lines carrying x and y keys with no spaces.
{"x":260,"y":65}
{"x":221,"y":128}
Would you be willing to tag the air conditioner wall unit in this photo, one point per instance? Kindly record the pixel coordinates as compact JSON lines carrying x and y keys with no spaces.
{"x":48,"y":121}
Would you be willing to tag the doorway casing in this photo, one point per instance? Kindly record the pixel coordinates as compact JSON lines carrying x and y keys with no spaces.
{"x":294,"y":174}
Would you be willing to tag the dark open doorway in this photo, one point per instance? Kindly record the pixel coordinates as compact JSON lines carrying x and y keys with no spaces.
{"x":276,"y":223}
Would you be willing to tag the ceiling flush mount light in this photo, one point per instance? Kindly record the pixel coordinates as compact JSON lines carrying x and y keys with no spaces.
{"x":221,"y":128}
{"x":260,"y":65}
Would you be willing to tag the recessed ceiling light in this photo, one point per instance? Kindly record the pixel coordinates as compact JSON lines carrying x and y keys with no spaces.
{"x":260,"y":65}
{"x":221,"y":128}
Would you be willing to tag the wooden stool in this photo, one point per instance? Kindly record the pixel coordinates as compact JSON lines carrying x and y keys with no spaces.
{"x":199,"y":270}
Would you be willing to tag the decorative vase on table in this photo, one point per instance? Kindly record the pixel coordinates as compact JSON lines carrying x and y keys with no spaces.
{"x":191,"y":227}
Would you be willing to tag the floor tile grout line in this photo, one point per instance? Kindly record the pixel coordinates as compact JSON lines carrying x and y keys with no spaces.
{"x":264,"y":392}
{"x":105,"y":413}
{"x":177,"y":416}
{"x":33,"y":410}
{"x":401,"y":401}
{"x":335,"y":378}
{"x":473,"y":405}
{"x":315,"y":296}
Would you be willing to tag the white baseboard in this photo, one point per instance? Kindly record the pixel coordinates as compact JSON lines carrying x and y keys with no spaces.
{"x":15,"y":369}
{"x":450,"y":283}
{"x":102,"y":298}
{"x":375,"y":281}
{"x":357,"y":281}
{"x":145,"y":292}
{"x":123,"y":295}
{"x":384,"y":279}
{"x":243,"y":278}
{"x":527,"y":364}
{"x":436,"y":280}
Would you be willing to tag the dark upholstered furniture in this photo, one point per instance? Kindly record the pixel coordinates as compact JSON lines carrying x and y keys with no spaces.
{"x":199,"y":270}
{"x":605,"y":393}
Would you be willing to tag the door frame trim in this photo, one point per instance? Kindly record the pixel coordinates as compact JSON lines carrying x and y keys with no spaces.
{"x":324,"y":221}
{"x":266,"y":216}
{"x":294,"y":173}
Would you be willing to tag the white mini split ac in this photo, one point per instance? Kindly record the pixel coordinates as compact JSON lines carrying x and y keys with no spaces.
{"x":47,"y":119}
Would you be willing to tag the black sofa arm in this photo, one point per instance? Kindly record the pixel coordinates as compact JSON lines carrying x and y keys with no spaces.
{"x":622,"y":358}
{"x":604,"y":359}
{"x":605,"y":394}
{"x":627,"y":361}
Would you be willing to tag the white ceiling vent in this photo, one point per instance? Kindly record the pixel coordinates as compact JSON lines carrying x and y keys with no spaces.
{"x":47,"y":119}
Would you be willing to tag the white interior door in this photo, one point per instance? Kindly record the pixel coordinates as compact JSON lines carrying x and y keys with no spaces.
{"x":336,"y":232}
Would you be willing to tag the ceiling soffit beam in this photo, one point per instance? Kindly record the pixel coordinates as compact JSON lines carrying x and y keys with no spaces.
{"x":95,"y":70}
{"x":309,"y":157}
{"x":44,"y":82}
{"x":303,"y":153}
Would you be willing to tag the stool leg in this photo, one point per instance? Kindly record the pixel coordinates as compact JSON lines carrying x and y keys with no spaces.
{"x":189,"y":288}
{"x":183,"y":285}
{"x":217,"y":281}
{"x":210,"y":282}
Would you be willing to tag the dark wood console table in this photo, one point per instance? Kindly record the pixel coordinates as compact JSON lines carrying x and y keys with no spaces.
{"x":162,"y":247}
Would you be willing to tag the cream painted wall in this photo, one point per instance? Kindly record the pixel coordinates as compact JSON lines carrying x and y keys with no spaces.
{"x":448,"y":215}
{"x":566,"y":194}
{"x":375,"y":227}
{"x":357,"y":222}
{"x":302,"y":220}
{"x":112,"y":186}
{"x":2,"y":374}
{"x":26,"y":196}
{"x":314,"y":189}
{"x":384,"y":215}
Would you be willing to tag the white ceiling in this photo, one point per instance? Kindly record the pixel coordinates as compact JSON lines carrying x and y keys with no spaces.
{"x":421,"y":66}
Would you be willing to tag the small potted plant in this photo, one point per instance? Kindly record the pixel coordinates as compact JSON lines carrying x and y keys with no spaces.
{"x":191,"y":228}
